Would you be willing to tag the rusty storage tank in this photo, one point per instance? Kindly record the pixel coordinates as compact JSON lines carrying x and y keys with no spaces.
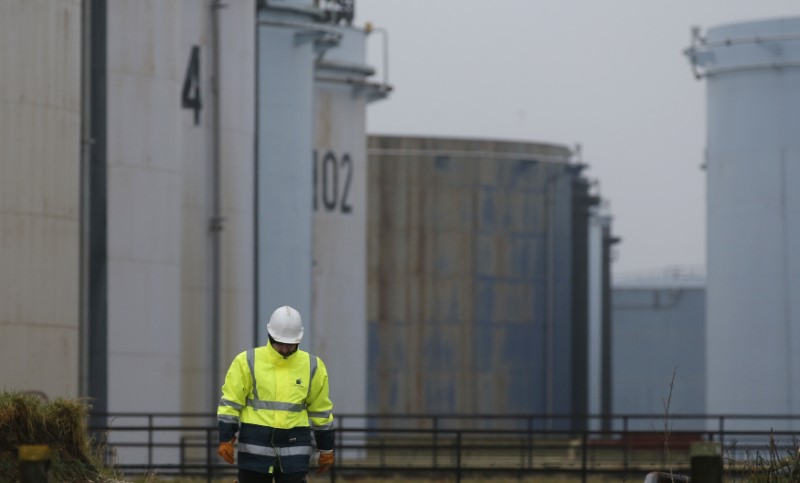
{"x":40,"y":197}
{"x":470,"y":277}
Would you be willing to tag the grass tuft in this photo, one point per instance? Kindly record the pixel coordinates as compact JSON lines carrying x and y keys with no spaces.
{"x":61,"y":425}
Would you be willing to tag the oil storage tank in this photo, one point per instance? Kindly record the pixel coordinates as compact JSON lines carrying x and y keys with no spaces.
{"x":290,"y":36}
{"x":342,"y":90}
{"x":658,"y":348}
{"x":40,"y":197}
{"x":217,"y":138}
{"x":752,"y":75}
{"x":144,"y":205}
{"x":144,"y":211}
{"x":470,"y":271}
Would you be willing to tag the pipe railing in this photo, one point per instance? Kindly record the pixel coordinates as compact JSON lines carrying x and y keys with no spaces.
{"x":168,"y":443}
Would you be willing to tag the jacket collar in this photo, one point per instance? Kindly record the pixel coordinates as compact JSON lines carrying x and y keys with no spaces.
{"x":276,"y":356}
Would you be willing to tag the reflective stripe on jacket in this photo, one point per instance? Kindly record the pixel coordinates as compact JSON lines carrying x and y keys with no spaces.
{"x":273,"y":402}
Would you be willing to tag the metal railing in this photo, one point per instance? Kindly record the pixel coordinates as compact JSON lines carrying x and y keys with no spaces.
{"x":629,"y":446}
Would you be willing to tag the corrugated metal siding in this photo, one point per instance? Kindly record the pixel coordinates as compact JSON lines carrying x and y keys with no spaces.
{"x":465,"y":237}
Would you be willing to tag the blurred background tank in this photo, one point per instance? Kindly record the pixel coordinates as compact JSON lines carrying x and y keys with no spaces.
{"x":753,"y":214}
{"x":659,"y":333}
{"x":40,"y":195}
{"x":342,"y":91}
{"x":470,"y":277}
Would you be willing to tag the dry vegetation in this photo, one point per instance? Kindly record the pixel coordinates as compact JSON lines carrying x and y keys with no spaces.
{"x":61,"y":425}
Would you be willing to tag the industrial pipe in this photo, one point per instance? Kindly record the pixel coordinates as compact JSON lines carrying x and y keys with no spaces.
{"x":215,"y":224}
{"x":656,"y":477}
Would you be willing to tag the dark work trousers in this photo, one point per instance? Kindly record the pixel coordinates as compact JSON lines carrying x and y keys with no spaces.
{"x":246,"y":476}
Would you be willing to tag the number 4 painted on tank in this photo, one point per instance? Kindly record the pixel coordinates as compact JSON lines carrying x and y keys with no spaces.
{"x":190,"y":94}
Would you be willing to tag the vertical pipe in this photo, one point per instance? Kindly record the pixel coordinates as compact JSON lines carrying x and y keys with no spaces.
{"x":385,"y":38}
{"x":95,"y":221}
{"x":256,"y":177}
{"x":216,"y":221}
{"x":86,"y":147}
{"x":606,"y":321}
{"x":581,"y":202}
{"x":550,"y":302}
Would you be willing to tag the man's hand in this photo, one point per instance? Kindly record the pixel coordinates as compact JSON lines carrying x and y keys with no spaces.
{"x":225,"y":451}
{"x":325,"y":460}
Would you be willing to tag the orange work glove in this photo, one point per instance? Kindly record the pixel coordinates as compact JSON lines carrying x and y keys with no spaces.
{"x":225,"y":451}
{"x":325,"y":460}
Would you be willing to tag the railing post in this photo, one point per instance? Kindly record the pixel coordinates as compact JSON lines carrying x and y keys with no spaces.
{"x":149,"y":441}
{"x":625,"y":441}
{"x":34,"y":463}
{"x":530,"y":442}
{"x":382,"y":451}
{"x":706,"y":462}
{"x":583,"y":456}
{"x":458,"y":456}
{"x":209,"y":461}
{"x":435,"y":440}
{"x":337,"y":447}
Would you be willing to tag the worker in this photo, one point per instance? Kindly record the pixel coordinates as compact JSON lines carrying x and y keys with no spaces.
{"x":273,"y":397}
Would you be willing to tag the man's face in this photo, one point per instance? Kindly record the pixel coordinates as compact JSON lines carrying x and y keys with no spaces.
{"x":284,"y":349}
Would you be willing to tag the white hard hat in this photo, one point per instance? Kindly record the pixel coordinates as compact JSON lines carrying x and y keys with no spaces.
{"x":285,"y":325}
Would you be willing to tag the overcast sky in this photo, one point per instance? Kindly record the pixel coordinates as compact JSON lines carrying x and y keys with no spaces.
{"x":609,"y":75}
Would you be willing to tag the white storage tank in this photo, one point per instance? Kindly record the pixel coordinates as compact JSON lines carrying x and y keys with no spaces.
{"x":40,"y":129}
{"x":144,"y":73}
{"x":144,"y":181}
{"x":286,"y":37}
{"x":658,"y":349}
{"x":752,"y":74}
{"x":217,"y":151}
{"x":339,"y":314}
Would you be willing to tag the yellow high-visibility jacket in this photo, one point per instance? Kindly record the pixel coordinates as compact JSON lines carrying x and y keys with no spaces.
{"x":274,"y":402}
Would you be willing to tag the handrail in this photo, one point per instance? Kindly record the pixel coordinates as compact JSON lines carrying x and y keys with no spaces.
{"x":144,"y":442}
